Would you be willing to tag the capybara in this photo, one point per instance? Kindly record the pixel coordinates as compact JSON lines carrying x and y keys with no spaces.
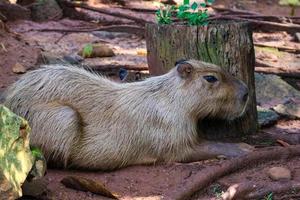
{"x":82,"y":120}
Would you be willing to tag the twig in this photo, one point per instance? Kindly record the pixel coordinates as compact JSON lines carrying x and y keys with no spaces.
{"x":143,"y":10}
{"x":61,"y":37}
{"x":265,"y":25}
{"x":3,"y":47}
{"x":114,"y":28}
{"x":204,"y":177}
{"x":283,"y":143}
{"x":2,"y":17}
{"x":234,"y":10}
{"x":278,"y":71}
{"x":280,"y":48}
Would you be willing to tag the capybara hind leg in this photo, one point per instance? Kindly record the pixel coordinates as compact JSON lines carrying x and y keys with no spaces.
{"x":210,"y":149}
{"x":55,"y":129}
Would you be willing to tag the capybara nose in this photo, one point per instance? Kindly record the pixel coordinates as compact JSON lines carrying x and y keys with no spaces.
{"x":245,"y":97}
{"x":243,"y":93}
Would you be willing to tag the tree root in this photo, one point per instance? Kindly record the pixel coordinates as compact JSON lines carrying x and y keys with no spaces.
{"x":250,"y":190}
{"x":113,"y":28}
{"x":280,"y":48}
{"x":260,"y":24}
{"x":275,"y":188}
{"x":107,"y":12}
{"x":203,"y":178}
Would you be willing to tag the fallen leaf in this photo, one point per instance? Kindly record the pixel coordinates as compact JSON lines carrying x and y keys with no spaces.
{"x":84,"y":184}
{"x":141,"y":52}
{"x":19,"y":68}
{"x":283,"y":143}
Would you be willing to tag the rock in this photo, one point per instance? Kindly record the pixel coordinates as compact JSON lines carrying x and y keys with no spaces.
{"x":19,"y":68}
{"x":39,"y":167}
{"x":96,"y":50}
{"x":290,"y":109}
{"x":73,"y":59}
{"x":14,"y":11}
{"x":16,"y":158}
{"x":297,"y":35}
{"x":266,"y":117}
{"x":272,"y":90}
{"x":34,"y":188}
{"x":45,"y":10}
{"x":46,"y":58}
{"x":84,"y":184}
{"x":279,"y":173}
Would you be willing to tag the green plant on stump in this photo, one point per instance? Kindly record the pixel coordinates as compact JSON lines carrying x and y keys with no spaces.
{"x":193,"y":14}
{"x":163,"y":15}
{"x":292,"y":3}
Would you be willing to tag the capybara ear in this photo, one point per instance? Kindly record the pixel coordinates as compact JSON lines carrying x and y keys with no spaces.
{"x":184,"y":69}
{"x":180,"y":61}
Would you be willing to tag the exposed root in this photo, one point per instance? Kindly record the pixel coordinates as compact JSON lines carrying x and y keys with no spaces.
{"x":203,"y":178}
{"x":275,"y":188}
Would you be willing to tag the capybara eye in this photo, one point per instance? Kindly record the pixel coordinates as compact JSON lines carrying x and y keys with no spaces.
{"x":210,"y":79}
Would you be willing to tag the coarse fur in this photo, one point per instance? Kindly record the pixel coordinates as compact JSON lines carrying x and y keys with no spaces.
{"x":80,"y":119}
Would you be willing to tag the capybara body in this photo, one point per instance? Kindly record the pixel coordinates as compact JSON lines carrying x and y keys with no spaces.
{"x":83,"y":120}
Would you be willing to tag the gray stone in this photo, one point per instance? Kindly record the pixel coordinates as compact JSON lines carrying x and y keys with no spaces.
{"x":266,"y":117}
{"x":45,"y":10}
{"x":279,"y":173}
{"x":34,"y":188}
{"x":271,"y":89}
{"x":290,"y":109}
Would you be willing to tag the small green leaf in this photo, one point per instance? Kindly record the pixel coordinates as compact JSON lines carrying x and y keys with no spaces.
{"x":87,"y":50}
{"x":210,"y":1}
{"x":185,"y":2}
{"x":194,"y":6}
{"x":203,"y":5}
{"x":36,"y":152}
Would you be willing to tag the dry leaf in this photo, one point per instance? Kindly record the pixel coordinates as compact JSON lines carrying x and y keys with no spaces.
{"x":84,"y":184}
{"x":19,"y":68}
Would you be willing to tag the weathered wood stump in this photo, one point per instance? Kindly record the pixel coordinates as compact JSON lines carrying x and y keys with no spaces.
{"x":227,"y":44}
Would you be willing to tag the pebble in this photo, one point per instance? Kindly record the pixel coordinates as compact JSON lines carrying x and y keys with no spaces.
{"x":279,"y":173}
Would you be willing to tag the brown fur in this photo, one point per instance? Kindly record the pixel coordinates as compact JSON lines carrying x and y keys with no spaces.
{"x":80,"y":119}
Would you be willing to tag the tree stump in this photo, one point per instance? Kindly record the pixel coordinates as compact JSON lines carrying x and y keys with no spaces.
{"x":227,"y":44}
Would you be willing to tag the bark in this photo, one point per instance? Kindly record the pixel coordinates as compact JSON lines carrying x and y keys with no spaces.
{"x":227,"y":44}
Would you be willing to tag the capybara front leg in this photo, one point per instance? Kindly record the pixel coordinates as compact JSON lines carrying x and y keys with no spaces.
{"x":211,"y":149}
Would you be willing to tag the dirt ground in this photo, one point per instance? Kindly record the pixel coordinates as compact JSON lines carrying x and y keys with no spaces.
{"x":149,"y":182}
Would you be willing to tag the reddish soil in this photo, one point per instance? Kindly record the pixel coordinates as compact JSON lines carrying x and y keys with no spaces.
{"x":14,"y":50}
{"x":146,"y":182}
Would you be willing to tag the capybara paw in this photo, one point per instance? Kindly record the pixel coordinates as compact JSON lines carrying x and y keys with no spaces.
{"x":236,"y":150}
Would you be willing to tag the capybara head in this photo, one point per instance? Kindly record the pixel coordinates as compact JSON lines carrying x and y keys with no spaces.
{"x":211,"y":91}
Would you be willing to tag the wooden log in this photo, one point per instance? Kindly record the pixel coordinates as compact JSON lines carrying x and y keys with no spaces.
{"x":227,"y":44}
